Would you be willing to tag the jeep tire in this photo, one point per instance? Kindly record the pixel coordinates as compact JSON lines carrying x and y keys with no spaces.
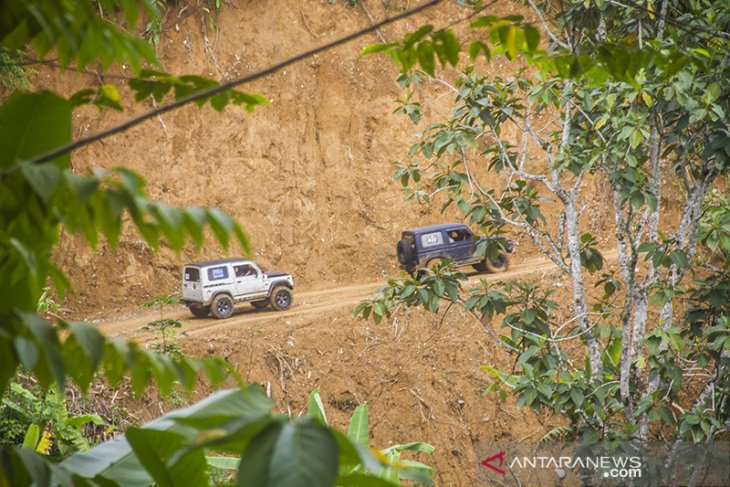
{"x":500,"y":264}
{"x":405,"y":252}
{"x":431,"y":264}
{"x":260,"y":304}
{"x":222,"y":306}
{"x":200,"y":312}
{"x":281,"y":298}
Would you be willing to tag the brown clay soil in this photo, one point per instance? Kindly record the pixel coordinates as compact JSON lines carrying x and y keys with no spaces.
{"x":419,"y":373}
{"x":308,"y":177}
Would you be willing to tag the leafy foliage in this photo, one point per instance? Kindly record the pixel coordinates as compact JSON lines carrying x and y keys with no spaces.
{"x":44,"y":424}
{"x":392,"y":470}
{"x":13,"y":75}
{"x":510,"y":36}
{"x":275,"y":450}
{"x":165,"y":327}
{"x":638,"y":101}
{"x":37,"y":199}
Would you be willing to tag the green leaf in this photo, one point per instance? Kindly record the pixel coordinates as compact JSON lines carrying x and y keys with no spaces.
{"x":45,"y":336}
{"x":637,"y":200}
{"x":453,"y":47}
{"x":528,"y":316}
{"x":410,"y":39}
{"x":316,"y":408}
{"x":577,"y":396}
{"x":426,"y":57}
{"x":43,"y":178}
{"x":82,"y":187}
{"x":148,"y":446}
{"x":476,"y":47}
{"x":32,"y":436}
{"x":300,"y":454}
{"x":222,"y":225}
{"x":412,"y":446}
{"x":679,"y":258}
{"x":358,"y":430}
{"x":108,"y":97}
{"x":224,"y":463}
{"x":379,"y":311}
{"x":90,"y":340}
{"x":380,"y":47}
{"x":27,"y":352}
{"x":532,"y":36}
{"x":156,"y":451}
{"x":613,"y":351}
{"x":32,"y":124}
{"x":219,"y":101}
{"x":115,"y":460}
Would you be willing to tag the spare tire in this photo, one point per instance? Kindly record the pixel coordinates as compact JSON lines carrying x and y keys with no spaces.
{"x":405,"y":252}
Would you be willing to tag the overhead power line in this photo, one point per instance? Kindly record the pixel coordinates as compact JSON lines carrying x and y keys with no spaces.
{"x":226,"y":86}
{"x":274,"y":68}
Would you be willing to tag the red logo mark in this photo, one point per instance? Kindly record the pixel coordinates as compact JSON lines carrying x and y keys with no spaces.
{"x":488,"y":462}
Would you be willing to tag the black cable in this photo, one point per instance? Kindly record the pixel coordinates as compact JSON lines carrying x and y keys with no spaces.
{"x":226,"y":86}
{"x":272,"y":69}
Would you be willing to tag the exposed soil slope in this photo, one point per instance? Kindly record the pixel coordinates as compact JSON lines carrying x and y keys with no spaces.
{"x":419,"y":373}
{"x":309,"y":177}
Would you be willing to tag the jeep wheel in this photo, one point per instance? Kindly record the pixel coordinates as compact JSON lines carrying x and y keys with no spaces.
{"x":200,"y":312}
{"x":222,"y":306}
{"x":480,"y":267}
{"x":431,"y":264}
{"x":281,"y":298}
{"x":260,"y":304}
{"x":405,"y":252}
{"x":500,"y":264}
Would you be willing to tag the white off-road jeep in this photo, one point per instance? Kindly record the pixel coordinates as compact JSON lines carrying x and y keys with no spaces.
{"x":213,"y":286}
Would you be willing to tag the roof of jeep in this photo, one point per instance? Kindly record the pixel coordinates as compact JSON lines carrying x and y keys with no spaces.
{"x":436,"y":228}
{"x":209,"y":263}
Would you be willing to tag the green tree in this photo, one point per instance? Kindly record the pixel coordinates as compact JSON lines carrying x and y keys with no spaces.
{"x":633,"y":96}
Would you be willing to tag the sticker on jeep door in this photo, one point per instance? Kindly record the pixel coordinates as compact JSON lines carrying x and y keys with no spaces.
{"x":431,"y":240}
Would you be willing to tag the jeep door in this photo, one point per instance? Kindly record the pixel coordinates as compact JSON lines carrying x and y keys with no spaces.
{"x":247,"y":279}
{"x":460,"y":244}
{"x":430,"y":245}
{"x":192,"y":287}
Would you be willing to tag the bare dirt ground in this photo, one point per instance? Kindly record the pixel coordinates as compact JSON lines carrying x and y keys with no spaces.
{"x":419,"y":373}
{"x":308,"y":177}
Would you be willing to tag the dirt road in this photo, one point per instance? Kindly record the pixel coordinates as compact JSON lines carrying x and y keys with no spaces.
{"x":306,"y":303}
{"x":419,"y":374}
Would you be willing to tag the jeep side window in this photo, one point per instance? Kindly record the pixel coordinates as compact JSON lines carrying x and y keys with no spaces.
{"x":431,"y":240}
{"x":243,"y":270}
{"x":459,"y":235}
{"x":216,"y":273}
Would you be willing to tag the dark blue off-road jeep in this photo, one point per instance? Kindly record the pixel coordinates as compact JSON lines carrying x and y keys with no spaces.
{"x":425,"y":247}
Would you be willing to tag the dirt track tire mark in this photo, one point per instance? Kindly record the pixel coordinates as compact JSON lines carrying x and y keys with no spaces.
{"x":306,"y":303}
